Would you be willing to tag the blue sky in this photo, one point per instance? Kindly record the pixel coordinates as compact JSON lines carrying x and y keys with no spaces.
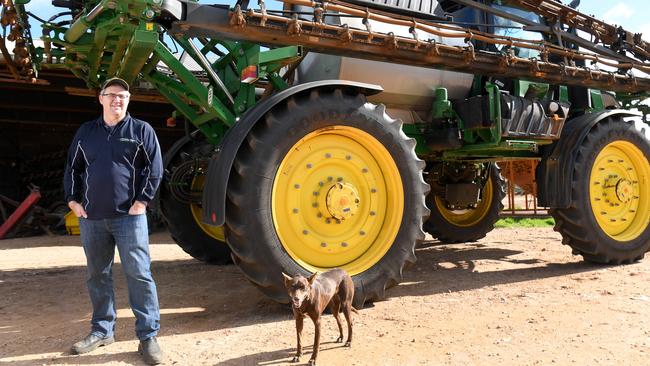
{"x":632,"y":14}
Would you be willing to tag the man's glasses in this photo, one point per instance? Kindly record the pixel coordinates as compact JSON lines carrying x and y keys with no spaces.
{"x":113,"y":96}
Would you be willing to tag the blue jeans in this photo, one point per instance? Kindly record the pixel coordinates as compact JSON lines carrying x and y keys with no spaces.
{"x":99,"y":239}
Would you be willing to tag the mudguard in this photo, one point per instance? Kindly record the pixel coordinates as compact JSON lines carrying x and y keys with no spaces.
{"x":555,"y":172}
{"x":216,"y":184}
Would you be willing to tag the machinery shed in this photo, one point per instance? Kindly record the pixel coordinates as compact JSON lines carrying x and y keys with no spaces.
{"x":37,"y":123}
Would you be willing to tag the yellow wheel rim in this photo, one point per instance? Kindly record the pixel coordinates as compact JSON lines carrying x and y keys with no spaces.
{"x":618,"y":190}
{"x":215,"y":232}
{"x":337,"y":200}
{"x":467,"y":217}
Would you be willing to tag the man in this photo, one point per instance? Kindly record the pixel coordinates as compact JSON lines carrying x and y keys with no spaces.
{"x":113,"y":169}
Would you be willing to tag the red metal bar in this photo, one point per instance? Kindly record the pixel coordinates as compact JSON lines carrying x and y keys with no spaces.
{"x":530,"y":208}
{"x":20,"y":212}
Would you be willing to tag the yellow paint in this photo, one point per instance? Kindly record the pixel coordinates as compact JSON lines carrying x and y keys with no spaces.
{"x":619,"y":191}
{"x":215,"y":232}
{"x":468,"y":217}
{"x":337,"y":200}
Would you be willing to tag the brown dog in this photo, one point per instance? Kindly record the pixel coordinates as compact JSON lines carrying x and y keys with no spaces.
{"x":310,"y":296}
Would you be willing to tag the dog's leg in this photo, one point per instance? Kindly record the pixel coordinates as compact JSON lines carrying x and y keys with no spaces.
{"x":299,"y":324}
{"x":316,"y":319}
{"x":335,"y":307}
{"x":347,"y":311}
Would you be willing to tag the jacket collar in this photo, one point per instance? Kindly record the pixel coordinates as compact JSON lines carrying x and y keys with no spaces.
{"x":100,"y":120}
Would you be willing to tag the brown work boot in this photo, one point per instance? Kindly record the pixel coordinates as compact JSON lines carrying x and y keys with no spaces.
{"x":90,"y":343}
{"x":150,"y":351}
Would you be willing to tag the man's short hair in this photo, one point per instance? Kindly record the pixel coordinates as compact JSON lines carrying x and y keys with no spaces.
{"x":115,"y":81}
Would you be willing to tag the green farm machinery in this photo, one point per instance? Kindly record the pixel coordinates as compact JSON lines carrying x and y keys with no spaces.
{"x":336,"y":133}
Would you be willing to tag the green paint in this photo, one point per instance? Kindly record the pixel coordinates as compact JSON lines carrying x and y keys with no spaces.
{"x":596,"y":100}
{"x":442,"y":108}
{"x":414,"y":131}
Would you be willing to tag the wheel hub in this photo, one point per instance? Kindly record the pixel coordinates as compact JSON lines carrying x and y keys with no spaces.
{"x":342,"y":201}
{"x":624,"y":190}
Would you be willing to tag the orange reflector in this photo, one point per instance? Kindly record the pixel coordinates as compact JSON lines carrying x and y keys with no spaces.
{"x":249,"y":74}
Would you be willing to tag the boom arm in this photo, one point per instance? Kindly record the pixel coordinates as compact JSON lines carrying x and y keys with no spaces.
{"x":260,"y":26}
{"x":124,"y":38}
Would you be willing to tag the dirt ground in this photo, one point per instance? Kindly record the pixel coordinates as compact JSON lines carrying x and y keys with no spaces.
{"x":517,"y":297}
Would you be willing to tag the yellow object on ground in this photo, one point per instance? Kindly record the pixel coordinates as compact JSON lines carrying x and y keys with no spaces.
{"x":71,"y":223}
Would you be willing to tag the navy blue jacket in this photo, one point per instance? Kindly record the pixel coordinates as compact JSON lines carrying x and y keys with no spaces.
{"x":108,"y":169}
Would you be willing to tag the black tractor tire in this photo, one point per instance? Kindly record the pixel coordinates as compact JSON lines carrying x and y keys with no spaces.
{"x":252,"y":231}
{"x":184,"y":225}
{"x":468,"y":225}
{"x":608,"y":220}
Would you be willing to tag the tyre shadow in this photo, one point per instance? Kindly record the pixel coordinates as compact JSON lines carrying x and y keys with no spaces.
{"x":443,"y":268}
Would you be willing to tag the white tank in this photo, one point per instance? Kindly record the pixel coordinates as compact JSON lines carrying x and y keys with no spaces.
{"x":408,"y":90}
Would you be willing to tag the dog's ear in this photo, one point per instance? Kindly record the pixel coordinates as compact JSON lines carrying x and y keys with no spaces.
{"x":312,"y":278}
{"x":287,"y":279}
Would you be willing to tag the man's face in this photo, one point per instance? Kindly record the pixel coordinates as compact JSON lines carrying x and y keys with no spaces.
{"x":114,"y":100}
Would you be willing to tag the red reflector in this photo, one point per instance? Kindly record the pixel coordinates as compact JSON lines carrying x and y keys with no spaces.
{"x":249,"y":74}
{"x":214,"y":217}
